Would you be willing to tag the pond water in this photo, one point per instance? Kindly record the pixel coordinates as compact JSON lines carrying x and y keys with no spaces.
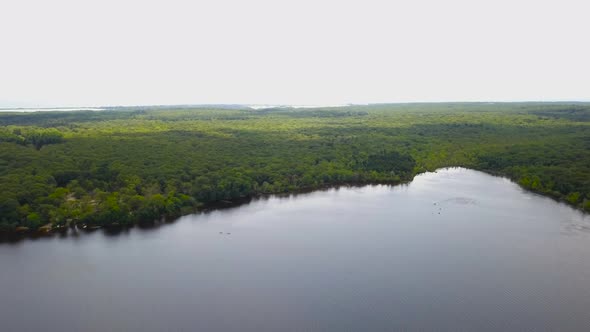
{"x":453,"y":250}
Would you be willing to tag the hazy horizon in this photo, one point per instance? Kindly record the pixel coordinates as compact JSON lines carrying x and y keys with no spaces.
{"x":262,"y":106}
{"x":112,"y":53}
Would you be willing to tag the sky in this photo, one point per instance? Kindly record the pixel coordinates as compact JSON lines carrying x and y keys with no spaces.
{"x":319,"y":52}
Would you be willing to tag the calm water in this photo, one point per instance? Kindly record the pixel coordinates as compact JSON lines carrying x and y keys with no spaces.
{"x":453,"y":250}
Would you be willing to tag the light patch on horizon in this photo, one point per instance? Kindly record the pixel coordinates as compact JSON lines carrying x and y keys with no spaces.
{"x":97,"y":53}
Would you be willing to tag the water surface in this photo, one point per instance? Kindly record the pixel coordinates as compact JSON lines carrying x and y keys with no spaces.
{"x":453,"y":250}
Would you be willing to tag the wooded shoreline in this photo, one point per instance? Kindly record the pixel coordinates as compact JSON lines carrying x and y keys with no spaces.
{"x":125,"y":166}
{"x":115,"y":228}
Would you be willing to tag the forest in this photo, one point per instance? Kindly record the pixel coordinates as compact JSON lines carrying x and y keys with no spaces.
{"x":124,"y":166}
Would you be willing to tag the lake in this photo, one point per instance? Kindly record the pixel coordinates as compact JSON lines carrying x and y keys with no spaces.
{"x":453,"y":250}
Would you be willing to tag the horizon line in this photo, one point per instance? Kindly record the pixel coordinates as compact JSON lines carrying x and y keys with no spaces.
{"x":298,"y":105}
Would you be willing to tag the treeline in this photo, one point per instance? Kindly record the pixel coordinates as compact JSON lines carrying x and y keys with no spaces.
{"x":104,"y":196}
{"x":125,"y":167}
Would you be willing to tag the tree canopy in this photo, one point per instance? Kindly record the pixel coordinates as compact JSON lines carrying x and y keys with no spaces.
{"x":128,"y":165}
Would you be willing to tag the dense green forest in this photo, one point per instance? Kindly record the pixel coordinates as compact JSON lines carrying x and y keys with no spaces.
{"x":128,"y":165}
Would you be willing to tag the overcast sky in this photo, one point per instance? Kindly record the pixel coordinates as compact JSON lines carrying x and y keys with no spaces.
{"x":116,"y":52}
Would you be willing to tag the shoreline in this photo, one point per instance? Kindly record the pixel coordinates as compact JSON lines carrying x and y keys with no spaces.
{"x":115,"y":229}
{"x":16,"y":235}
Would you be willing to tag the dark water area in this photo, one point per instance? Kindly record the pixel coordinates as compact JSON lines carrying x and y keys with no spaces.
{"x":453,"y":250}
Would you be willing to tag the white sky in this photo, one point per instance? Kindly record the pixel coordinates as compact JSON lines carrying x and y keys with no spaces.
{"x":115,"y":52}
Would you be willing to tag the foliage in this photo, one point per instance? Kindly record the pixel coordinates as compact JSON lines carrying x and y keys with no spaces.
{"x":131,"y":165}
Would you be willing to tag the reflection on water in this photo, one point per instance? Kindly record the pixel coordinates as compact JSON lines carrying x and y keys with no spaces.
{"x":453,"y":250}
